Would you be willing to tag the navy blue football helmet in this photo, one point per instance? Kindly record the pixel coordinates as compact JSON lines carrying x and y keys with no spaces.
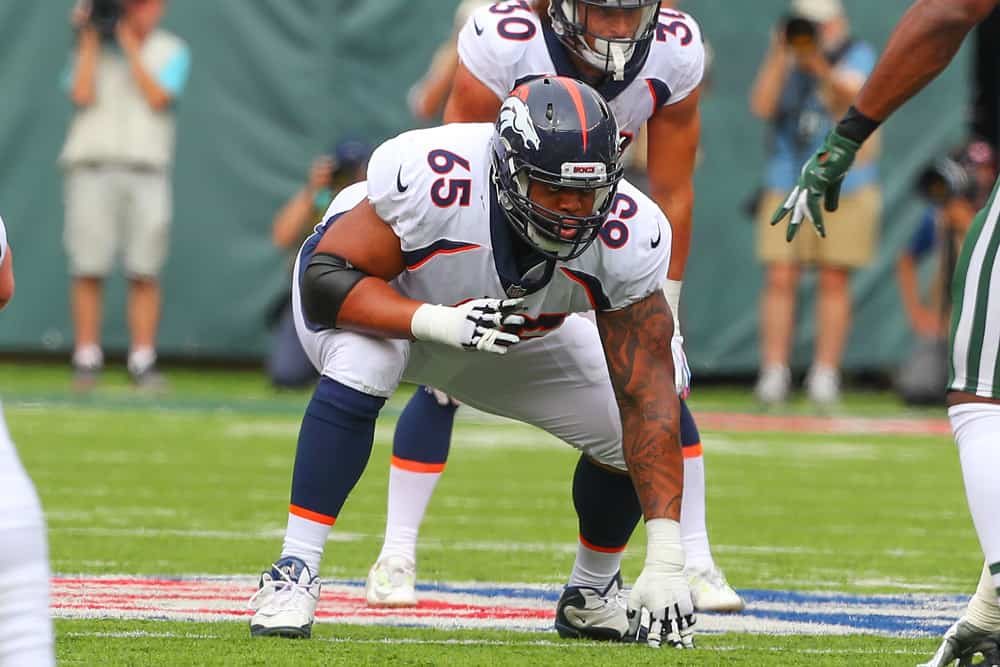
{"x":614,"y":54}
{"x":557,"y":132}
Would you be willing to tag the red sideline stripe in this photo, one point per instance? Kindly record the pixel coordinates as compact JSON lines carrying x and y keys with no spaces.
{"x":416,"y":466}
{"x":603,"y":550}
{"x":692,"y":451}
{"x":586,"y":289}
{"x":443,"y":251}
{"x":312,"y":516}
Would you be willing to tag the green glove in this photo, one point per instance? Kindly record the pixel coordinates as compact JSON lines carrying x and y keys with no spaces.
{"x":822,"y":177}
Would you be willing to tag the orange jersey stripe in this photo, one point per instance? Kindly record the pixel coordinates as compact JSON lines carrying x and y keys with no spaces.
{"x":603,"y":550}
{"x":444,"y":251}
{"x":574,"y":94}
{"x":692,"y":451}
{"x":312,"y":516}
{"x":586,"y":288}
{"x":416,"y":466}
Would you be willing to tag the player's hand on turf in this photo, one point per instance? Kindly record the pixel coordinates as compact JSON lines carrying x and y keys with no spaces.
{"x":820,"y":178}
{"x":682,"y":372}
{"x":660,"y":611}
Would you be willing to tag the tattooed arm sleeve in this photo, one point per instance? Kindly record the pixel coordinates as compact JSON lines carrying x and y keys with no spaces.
{"x":637,"y":348}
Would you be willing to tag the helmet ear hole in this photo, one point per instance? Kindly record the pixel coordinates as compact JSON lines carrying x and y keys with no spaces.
{"x":549,"y":112}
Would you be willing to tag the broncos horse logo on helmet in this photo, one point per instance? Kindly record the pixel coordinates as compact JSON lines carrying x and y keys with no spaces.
{"x":557,"y":132}
{"x":612,"y":35}
{"x":515,"y":116}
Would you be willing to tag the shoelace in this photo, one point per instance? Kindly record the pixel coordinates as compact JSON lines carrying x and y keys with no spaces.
{"x":284,"y":591}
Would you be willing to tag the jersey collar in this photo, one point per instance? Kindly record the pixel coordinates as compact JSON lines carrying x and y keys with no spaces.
{"x":608,"y":87}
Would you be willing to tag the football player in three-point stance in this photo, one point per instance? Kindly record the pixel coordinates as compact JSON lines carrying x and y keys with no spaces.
{"x":517,"y":225}
{"x":921,"y":46}
{"x":648,"y":64}
{"x":24,"y":559}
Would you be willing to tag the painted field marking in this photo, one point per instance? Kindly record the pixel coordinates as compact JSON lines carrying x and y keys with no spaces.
{"x":519,"y":607}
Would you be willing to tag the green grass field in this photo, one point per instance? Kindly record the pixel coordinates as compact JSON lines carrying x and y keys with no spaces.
{"x":196,"y":483}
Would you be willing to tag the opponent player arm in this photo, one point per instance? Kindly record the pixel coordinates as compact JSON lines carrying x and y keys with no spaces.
{"x":636,"y":343}
{"x":923,"y":43}
{"x":673,"y":133}
{"x":471,"y":101}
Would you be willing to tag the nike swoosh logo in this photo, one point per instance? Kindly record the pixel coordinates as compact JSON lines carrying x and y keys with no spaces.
{"x":404,"y":188}
{"x":475,"y":25}
{"x":659,"y":236}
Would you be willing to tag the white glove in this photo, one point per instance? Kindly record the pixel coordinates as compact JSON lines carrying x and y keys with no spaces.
{"x":443,"y":399}
{"x":682,"y":373}
{"x":480,"y":324}
{"x":660,"y":611}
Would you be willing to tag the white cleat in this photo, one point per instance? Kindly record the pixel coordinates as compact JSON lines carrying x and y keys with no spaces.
{"x":285,"y":602}
{"x":969,"y":645}
{"x":711,"y":592}
{"x":392,"y":583}
{"x":589,"y":613}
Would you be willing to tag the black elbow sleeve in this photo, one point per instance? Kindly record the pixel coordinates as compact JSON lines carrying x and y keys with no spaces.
{"x":326,"y":282}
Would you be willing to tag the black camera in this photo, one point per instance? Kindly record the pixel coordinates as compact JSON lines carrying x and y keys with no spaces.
{"x":801,"y":33}
{"x":944,"y":179}
{"x":104,"y":16}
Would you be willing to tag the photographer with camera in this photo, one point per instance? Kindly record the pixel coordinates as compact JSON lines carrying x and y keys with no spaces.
{"x":955,"y":188}
{"x":125,"y":76}
{"x":812,"y":71}
{"x":345,"y":164}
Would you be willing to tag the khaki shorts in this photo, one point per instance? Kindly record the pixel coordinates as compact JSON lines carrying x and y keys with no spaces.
{"x":851,"y":232}
{"x":111,"y":209}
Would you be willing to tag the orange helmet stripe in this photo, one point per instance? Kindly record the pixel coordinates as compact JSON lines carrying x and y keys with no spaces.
{"x":574,"y":93}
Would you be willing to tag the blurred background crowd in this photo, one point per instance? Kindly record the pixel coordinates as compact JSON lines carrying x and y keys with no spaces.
{"x":183,"y":150}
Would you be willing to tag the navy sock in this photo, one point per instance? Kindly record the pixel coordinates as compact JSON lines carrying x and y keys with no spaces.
{"x":689,"y":430}
{"x":606,"y":505}
{"x":423,"y":432}
{"x":335,"y":442}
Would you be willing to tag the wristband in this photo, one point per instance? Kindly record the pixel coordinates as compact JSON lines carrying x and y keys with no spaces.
{"x":434,"y":323}
{"x":663,"y":545}
{"x":856,"y":126}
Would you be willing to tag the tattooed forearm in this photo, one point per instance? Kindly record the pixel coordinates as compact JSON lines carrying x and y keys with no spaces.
{"x":637,"y":348}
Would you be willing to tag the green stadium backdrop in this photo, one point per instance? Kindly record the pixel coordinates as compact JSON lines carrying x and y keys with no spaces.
{"x":275,"y":82}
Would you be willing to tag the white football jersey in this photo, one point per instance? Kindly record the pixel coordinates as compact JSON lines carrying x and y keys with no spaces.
{"x":3,"y":241}
{"x":505,"y":44}
{"x":433,"y":188}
